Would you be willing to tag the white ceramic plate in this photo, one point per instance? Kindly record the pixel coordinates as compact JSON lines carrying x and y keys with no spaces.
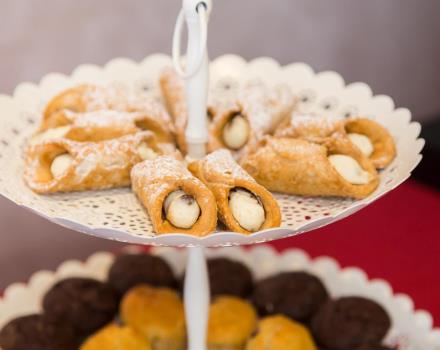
{"x":117,"y":214}
{"x":411,"y":330}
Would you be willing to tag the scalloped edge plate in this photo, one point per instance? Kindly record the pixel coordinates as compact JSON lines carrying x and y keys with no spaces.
{"x":325,"y":83}
{"x":412,"y":329}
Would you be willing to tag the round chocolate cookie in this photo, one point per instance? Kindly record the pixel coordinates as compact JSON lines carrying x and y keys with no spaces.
{"x":82,"y":303}
{"x":129,"y":270}
{"x":297,"y":295}
{"x":34,"y":332}
{"x":373,"y":347}
{"x":229,"y":277}
{"x":350,"y":322}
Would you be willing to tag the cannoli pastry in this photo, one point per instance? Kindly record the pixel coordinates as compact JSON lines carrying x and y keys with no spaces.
{"x":280,"y":333}
{"x":231,"y":322}
{"x":243,"y":205}
{"x":91,"y":98}
{"x":311,"y":127}
{"x":174,"y":94}
{"x":78,"y":99}
{"x":114,"y":337}
{"x":175,"y":200}
{"x":373,"y":140}
{"x":300,"y":167}
{"x":256,"y":111}
{"x":157,"y":314}
{"x":63,"y":165}
{"x":104,"y":125}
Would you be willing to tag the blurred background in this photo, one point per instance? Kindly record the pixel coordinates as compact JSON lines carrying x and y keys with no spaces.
{"x":392,"y":45}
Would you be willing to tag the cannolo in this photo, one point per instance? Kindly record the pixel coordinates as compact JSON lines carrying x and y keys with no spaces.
{"x":105,"y":125}
{"x":63,"y":165}
{"x":256,"y":111}
{"x":311,"y":127}
{"x":174,"y":94}
{"x":299,"y":167}
{"x":372,"y":139}
{"x":243,"y":205}
{"x":175,"y":200}
{"x":78,"y":99}
{"x":149,"y":114}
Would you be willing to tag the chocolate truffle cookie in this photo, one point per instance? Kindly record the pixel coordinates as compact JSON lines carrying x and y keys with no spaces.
{"x":229,"y":277}
{"x":295,"y":294}
{"x":129,"y":270}
{"x":373,"y":347}
{"x":83,"y":303}
{"x":350,"y":322}
{"x":34,"y":332}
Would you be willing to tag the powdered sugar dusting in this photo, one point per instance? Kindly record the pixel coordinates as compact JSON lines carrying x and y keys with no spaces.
{"x":222,"y":162}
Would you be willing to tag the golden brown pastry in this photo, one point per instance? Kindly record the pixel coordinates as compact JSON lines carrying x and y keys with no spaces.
{"x":300,"y":167}
{"x":175,"y":200}
{"x":311,"y":127}
{"x":114,"y":337}
{"x":231,"y":322}
{"x":280,"y":333}
{"x":67,"y":106}
{"x":105,"y":125}
{"x":243,"y":205}
{"x":63,"y":166}
{"x":174,"y":94}
{"x":157,"y":314}
{"x":78,"y":99}
{"x":256,"y":111}
{"x":374,"y":141}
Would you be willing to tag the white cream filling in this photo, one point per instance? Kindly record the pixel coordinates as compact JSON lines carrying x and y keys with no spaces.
{"x":236,"y":132}
{"x":145,"y":152}
{"x":350,"y":169}
{"x":60,"y":165}
{"x":363,"y":143}
{"x":181,"y":209}
{"x":246,"y":209}
{"x":49,"y":134}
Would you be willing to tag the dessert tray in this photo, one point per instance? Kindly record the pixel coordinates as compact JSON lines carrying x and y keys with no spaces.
{"x":116,"y":214}
{"x":411,"y":329}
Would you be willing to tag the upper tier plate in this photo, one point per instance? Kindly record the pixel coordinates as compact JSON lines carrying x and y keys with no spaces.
{"x":116,"y":214}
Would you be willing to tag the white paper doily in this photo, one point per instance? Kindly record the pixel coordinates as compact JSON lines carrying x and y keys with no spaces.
{"x":117,"y":214}
{"x":411,"y":329}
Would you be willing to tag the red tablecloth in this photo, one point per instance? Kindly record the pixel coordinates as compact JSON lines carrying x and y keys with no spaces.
{"x":397,"y":239}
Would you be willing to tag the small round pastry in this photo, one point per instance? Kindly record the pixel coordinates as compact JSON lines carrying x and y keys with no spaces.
{"x":280,"y":333}
{"x":246,"y":209}
{"x":229,"y":277}
{"x":295,"y":294}
{"x":61,"y":164}
{"x":350,"y":169}
{"x":349,"y":322}
{"x":181,"y":209}
{"x":231,"y":322}
{"x":236,"y":132}
{"x":114,"y":337}
{"x":34,"y":332}
{"x":83,"y":303}
{"x":157,"y":314}
{"x":129,"y":270}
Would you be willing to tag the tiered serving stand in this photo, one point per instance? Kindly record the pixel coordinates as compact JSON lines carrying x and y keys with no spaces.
{"x":117,"y":215}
